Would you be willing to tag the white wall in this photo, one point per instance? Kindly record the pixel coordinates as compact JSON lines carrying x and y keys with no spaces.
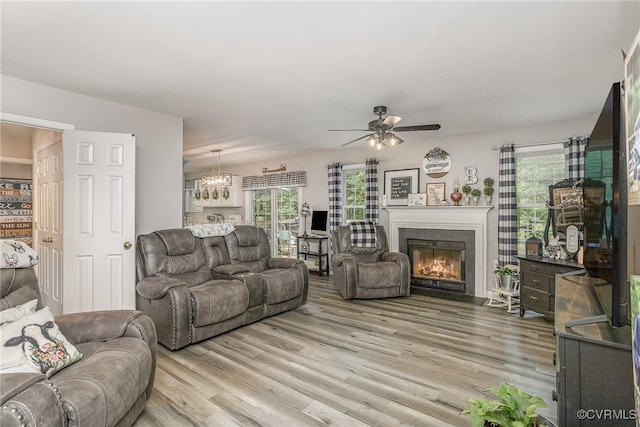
{"x":465,"y":150}
{"x":158,"y":142}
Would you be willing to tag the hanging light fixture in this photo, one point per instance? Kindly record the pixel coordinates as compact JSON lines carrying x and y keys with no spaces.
{"x":216,"y":178}
{"x":383,"y":139}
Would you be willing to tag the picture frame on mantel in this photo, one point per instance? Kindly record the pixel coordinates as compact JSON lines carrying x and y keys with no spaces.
{"x":398,"y":184}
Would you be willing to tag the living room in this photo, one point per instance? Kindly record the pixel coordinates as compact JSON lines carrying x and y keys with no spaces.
{"x":557,"y":107}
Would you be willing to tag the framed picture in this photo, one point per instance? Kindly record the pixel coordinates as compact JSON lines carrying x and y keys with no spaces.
{"x":435,"y":193}
{"x":398,"y":184}
{"x":417,"y":199}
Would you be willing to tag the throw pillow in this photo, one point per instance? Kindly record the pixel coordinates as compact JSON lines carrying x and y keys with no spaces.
{"x":17,"y":254}
{"x":18,"y":312}
{"x":34,"y":343}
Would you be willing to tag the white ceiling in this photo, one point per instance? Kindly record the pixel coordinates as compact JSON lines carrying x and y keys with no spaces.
{"x":266,"y":80}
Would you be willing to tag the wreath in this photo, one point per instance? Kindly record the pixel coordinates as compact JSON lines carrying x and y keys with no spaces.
{"x":205,"y":194}
{"x":215,"y":194}
{"x":225,"y":193}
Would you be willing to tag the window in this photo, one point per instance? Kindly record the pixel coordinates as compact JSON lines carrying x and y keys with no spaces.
{"x":276,"y":211}
{"x":536,"y":170}
{"x":354,"y":191}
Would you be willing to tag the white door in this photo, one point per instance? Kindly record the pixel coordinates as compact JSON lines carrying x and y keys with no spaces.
{"x":48,"y":224}
{"x":99,"y":221}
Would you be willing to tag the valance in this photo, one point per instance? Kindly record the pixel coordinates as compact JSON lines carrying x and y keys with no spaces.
{"x":275,"y":180}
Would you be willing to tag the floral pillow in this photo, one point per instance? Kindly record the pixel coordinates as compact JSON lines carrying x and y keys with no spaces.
{"x":18,"y":312}
{"x":34,"y":343}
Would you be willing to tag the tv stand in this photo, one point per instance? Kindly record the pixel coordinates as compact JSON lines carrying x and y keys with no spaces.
{"x":594,"y":362}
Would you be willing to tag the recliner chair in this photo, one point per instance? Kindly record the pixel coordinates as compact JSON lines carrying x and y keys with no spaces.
{"x":368,"y":272}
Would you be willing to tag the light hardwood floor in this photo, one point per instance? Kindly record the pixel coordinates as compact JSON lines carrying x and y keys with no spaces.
{"x":403,"y":361}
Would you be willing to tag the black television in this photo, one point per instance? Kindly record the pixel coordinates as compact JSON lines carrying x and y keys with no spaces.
{"x":605,"y":210}
{"x":319,"y":222}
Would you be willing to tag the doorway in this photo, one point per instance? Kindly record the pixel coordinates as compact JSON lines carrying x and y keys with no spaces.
{"x":276,"y":211}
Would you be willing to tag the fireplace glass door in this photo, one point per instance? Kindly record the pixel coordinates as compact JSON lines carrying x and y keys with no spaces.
{"x":437,"y":264}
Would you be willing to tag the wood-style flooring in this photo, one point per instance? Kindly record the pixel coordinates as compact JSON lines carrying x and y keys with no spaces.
{"x":412,"y":361}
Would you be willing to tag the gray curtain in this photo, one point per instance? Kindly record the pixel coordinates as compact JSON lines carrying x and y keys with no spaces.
{"x":335,"y":196}
{"x":371,"y":190}
{"x":574,"y":156}
{"x":507,"y":207}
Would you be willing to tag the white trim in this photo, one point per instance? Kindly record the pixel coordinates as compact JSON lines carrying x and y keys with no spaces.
{"x":16,"y":160}
{"x":34,"y":122}
{"x":472,"y":218}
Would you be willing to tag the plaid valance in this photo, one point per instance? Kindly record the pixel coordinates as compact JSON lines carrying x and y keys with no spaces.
{"x":363,"y":234}
{"x":275,"y":180}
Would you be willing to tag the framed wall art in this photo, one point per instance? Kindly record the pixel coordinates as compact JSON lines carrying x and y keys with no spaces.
{"x":398,"y":184}
{"x":417,"y":199}
{"x":436,"y":163}
{"x":435,"y":193}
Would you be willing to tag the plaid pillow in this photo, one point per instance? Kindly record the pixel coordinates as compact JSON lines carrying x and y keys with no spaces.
{"x":363,"y":234}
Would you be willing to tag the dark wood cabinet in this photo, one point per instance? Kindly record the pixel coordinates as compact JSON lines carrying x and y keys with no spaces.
{"x":594,"y":374}
{"x":537,"y":283}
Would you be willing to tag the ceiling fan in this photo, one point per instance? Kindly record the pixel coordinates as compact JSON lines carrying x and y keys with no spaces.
{"x":382,"y":128}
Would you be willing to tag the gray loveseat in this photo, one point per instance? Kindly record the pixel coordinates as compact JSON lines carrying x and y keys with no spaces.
{"x":108,"y":386}
{"x":195,"y":288}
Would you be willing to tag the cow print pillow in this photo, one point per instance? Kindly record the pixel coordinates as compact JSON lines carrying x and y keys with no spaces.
{"x":35,"y":344}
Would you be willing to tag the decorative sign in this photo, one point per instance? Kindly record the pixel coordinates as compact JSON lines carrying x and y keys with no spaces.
{"x":435,"y":193}
{"x":572,"y":239}
{"x":398,"y":184}
{"x":470,"y":175}
{"x":16,"y":212}
{"x":436,"y":163}
{"x":417,"y":199}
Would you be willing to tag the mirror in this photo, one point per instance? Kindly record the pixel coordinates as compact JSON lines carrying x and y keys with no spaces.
{"x":565,"y":209}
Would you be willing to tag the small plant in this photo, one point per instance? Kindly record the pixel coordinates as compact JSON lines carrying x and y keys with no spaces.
{"x":488,"y":191}
{"x":466,"y":189}
{"x":504,"y":271}
{"x":514,"y":408}
{"x":488,"y":182}
{"x":475,"y":192}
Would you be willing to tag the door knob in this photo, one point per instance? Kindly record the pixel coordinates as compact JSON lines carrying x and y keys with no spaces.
{"x":127,"y":245}
{"x":47,"y":240}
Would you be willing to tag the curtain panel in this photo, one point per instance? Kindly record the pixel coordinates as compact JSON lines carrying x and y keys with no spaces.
{"x":371,"y":190}
{"x":275,"y":180}
{"x":507,"y":207}
{"x":574,"y":156}
{"x":335,"y":195}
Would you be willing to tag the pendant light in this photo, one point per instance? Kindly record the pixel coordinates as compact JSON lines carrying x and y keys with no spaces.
{"x":216,"y":179}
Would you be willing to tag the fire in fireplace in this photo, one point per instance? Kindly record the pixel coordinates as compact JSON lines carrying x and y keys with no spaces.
{"x":437,"y":264}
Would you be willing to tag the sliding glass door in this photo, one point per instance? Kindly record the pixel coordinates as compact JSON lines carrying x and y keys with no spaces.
{"x":276,"y":211}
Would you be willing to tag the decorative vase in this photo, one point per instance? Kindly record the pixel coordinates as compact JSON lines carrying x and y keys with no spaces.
{"x":488,"y":199}
{"x":456,"y":196}
{"x":475,"y":200}
{"x":467,"y":200}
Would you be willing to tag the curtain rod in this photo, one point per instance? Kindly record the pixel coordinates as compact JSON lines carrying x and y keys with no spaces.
{"x":355,"y":163}
{"x":535,"y":144}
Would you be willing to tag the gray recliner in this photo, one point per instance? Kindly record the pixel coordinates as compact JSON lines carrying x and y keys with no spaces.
{"x":368,"y":272}
{"x":108,"y":386}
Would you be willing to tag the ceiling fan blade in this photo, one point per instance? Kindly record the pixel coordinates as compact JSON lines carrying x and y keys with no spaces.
{"x":390,"y":121}
{"x":357,"y":139}
{"x":348,"y":130}
{"x":416,"y":127}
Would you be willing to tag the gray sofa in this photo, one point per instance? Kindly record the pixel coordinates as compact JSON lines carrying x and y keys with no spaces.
{"x":109,"y":386}
{"x":360,"y":272}
{"x":196,"y":288}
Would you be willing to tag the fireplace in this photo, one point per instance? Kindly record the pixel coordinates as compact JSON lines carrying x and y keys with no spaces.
{"x":437,"y":264}
{"x":449,"y":220}
{"x":440,"y":259}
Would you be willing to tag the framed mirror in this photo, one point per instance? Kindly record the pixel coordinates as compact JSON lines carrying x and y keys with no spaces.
{"x":565,"y":208}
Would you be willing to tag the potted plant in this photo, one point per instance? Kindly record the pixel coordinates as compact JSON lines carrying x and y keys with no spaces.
{"x":475,"y":194}
{"x":506,"y":276}
{"x":513,"y":408}
{"x":488,"y":190}
{"x":466,"y":190}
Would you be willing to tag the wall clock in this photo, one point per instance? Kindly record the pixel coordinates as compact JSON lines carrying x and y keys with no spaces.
{"x":436,"y":163}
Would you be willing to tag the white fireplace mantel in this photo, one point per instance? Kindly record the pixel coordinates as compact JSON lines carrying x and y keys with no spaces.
{"x":473,"y":218}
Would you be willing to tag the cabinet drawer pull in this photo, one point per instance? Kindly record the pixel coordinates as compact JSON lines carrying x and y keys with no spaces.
{"x":533,"y":267}
{"x":535,"y":281}
{"x":534,"y":299}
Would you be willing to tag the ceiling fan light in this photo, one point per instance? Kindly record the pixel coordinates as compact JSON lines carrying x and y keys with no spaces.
{"x":392,"y":141}
{"x":371,"y":141}
{"x":379,"y":145}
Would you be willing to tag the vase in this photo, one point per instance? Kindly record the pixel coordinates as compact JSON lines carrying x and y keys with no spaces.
{"x":467,"y":200}
{"x":475,"y":200}
{"x":488,"y":199}
{"x":456,"y":196}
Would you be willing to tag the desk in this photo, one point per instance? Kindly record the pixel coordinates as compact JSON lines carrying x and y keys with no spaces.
{"x":314,"y":250}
